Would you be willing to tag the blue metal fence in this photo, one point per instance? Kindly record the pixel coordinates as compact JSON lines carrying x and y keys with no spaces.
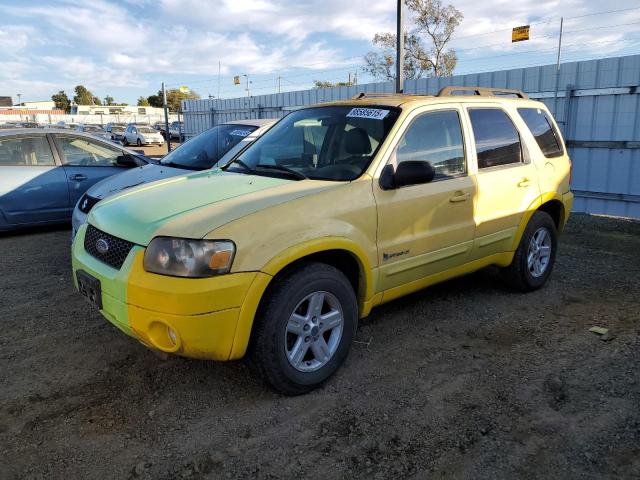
{"x":597,"y":105}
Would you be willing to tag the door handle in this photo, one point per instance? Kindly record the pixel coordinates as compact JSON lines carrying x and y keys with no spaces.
{"x":460,"y":197}
{"x":525,"y":182}
{"x":78,"y":177}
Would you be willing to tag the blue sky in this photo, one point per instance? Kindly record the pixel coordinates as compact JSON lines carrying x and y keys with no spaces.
{"x":126,"y":48}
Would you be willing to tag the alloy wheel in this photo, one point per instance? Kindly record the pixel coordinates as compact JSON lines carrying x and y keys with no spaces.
{"x":313,"y":331}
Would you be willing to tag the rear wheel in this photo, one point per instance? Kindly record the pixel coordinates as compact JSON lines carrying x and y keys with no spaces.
{"x":305,"y":328}
{"x":535,"y":255}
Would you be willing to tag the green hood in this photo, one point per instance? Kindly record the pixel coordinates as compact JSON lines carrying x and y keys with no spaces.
{"x":191,"y":206}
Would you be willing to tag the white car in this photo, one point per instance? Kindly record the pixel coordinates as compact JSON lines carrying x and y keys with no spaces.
{"x":142,"y":135}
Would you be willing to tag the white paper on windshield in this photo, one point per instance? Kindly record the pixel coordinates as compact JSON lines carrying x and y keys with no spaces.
{"x":239,"y":133}
{"x":373,"y":113}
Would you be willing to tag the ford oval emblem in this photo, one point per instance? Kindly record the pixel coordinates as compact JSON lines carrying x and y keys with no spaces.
{"x":102,"y":246}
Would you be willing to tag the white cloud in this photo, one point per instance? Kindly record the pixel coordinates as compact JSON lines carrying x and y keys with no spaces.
{"x":134,"y":44}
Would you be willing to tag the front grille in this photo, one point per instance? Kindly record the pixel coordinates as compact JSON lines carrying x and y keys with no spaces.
{"x":87,"y":202}
{"x":117,"y":249}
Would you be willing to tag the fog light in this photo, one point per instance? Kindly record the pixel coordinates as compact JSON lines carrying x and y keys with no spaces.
{"x":173,"y":336}
{"x":163,"y":337}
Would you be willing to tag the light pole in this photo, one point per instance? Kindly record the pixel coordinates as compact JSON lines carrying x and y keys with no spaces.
{"x":19,"y":95}
{"x":248,"y":82}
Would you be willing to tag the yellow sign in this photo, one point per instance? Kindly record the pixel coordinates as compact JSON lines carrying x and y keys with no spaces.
{"x":184,"y":89}
{"x":236,"y":80}
{"x":518,"y":34}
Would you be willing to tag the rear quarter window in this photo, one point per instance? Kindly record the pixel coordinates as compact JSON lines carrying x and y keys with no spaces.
{"x":543,"y":131}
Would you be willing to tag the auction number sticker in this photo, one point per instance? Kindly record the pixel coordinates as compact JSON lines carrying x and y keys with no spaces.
{"x":373,"y":113}
{"x":239,"y":133}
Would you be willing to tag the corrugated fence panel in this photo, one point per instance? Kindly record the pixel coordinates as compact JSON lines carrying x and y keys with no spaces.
{"x":596,"y":102}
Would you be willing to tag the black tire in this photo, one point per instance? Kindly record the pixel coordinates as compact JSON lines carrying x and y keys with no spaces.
{"x":139,"y":143}
{"x":125,"y":142}
{"x":268,"y":343}
{"x":518,"y":275}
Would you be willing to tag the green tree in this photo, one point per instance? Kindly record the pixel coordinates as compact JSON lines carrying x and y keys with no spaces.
{"x":62,"y":101}
{"x":143,"y":102}
{"x":96,"y":101}
{"x":155,"y":100}
{"x":83,"y":96}
{"x":108,"y":100}
{"x":174,"y":97}
{"x":324,"y":84}
{"x":426,"y":52}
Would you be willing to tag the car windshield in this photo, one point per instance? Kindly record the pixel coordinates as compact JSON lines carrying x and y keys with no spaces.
{"x":146,"y":130}
{"x":206,"y":149}
{"x":322,"y":143}
{"x":92,"y":128}
{"x":117,"y":129}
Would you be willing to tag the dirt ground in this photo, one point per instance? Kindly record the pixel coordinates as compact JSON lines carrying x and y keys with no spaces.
{"x":155,"y":151}
{"x":462,"y":380}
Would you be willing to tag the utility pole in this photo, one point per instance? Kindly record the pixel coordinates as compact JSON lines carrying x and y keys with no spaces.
{"x":166,"y":118}
{"x":218,"y":78}
{"x":400,"y":48}
{"x":279,"y":78}
{"x":555,"y":100}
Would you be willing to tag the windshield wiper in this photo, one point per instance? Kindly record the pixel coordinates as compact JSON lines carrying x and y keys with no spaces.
{"x":239,"y":162}
{"x":287,"y":170}
{"x":179,"y":165}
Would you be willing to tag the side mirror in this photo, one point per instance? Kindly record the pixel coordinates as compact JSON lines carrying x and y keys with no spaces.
{"x":413,"y":172}
{"x":126,"y":161}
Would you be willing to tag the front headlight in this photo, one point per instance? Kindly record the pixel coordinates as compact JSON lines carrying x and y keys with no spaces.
{"x":181,"y":257}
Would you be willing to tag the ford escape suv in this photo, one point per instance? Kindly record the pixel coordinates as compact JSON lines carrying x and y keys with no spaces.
{"x":336,"y":209}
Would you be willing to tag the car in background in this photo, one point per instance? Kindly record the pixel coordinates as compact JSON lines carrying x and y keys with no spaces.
{"x":142,"y":135}
{"x":62,"y":126}
{"x":116,"y":131}
{"x":95,"y":130}
{"x":160,"y":127}
{"x":176,"y":130}
{"x":43,"y":173}
{"x":216,"y":146}
{"x":18,"y":124}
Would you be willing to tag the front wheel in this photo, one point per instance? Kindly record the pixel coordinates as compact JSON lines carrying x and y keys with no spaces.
{"x":305,"y":328}
{"x":535,"y":255}
{"x":139,"y":143}
{"x":125,"y":142}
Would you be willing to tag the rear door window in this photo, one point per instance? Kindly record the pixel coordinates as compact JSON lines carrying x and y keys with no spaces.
{"x":26,"y":151}
{"x":543,"y":131}
{"x":497,"y":139}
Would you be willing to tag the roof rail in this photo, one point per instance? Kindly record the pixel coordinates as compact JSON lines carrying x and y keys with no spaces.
{"x":360,"y":95}
{"x":482,"y":91}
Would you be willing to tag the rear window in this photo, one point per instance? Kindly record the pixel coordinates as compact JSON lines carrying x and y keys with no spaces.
{"x":543,"y":131}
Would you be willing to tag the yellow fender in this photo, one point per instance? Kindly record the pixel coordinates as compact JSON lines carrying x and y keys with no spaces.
{"x":533,"y":208}
{"x":287,"y":257}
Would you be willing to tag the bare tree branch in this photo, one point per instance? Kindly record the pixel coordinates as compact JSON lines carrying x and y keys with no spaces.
{"x":432,"y":21}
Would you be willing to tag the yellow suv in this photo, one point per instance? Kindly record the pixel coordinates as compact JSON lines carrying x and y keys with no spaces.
{"x":338,"y":208}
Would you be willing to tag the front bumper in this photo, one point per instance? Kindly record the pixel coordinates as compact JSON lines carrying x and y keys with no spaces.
{"x":195,"y":318}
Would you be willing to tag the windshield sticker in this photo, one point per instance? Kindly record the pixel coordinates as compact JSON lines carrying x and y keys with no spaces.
{"x":373,"y":113}
{"x":239,"y":133}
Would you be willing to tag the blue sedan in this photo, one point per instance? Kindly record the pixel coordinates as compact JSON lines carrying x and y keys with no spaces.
{"x":43,"y":173}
